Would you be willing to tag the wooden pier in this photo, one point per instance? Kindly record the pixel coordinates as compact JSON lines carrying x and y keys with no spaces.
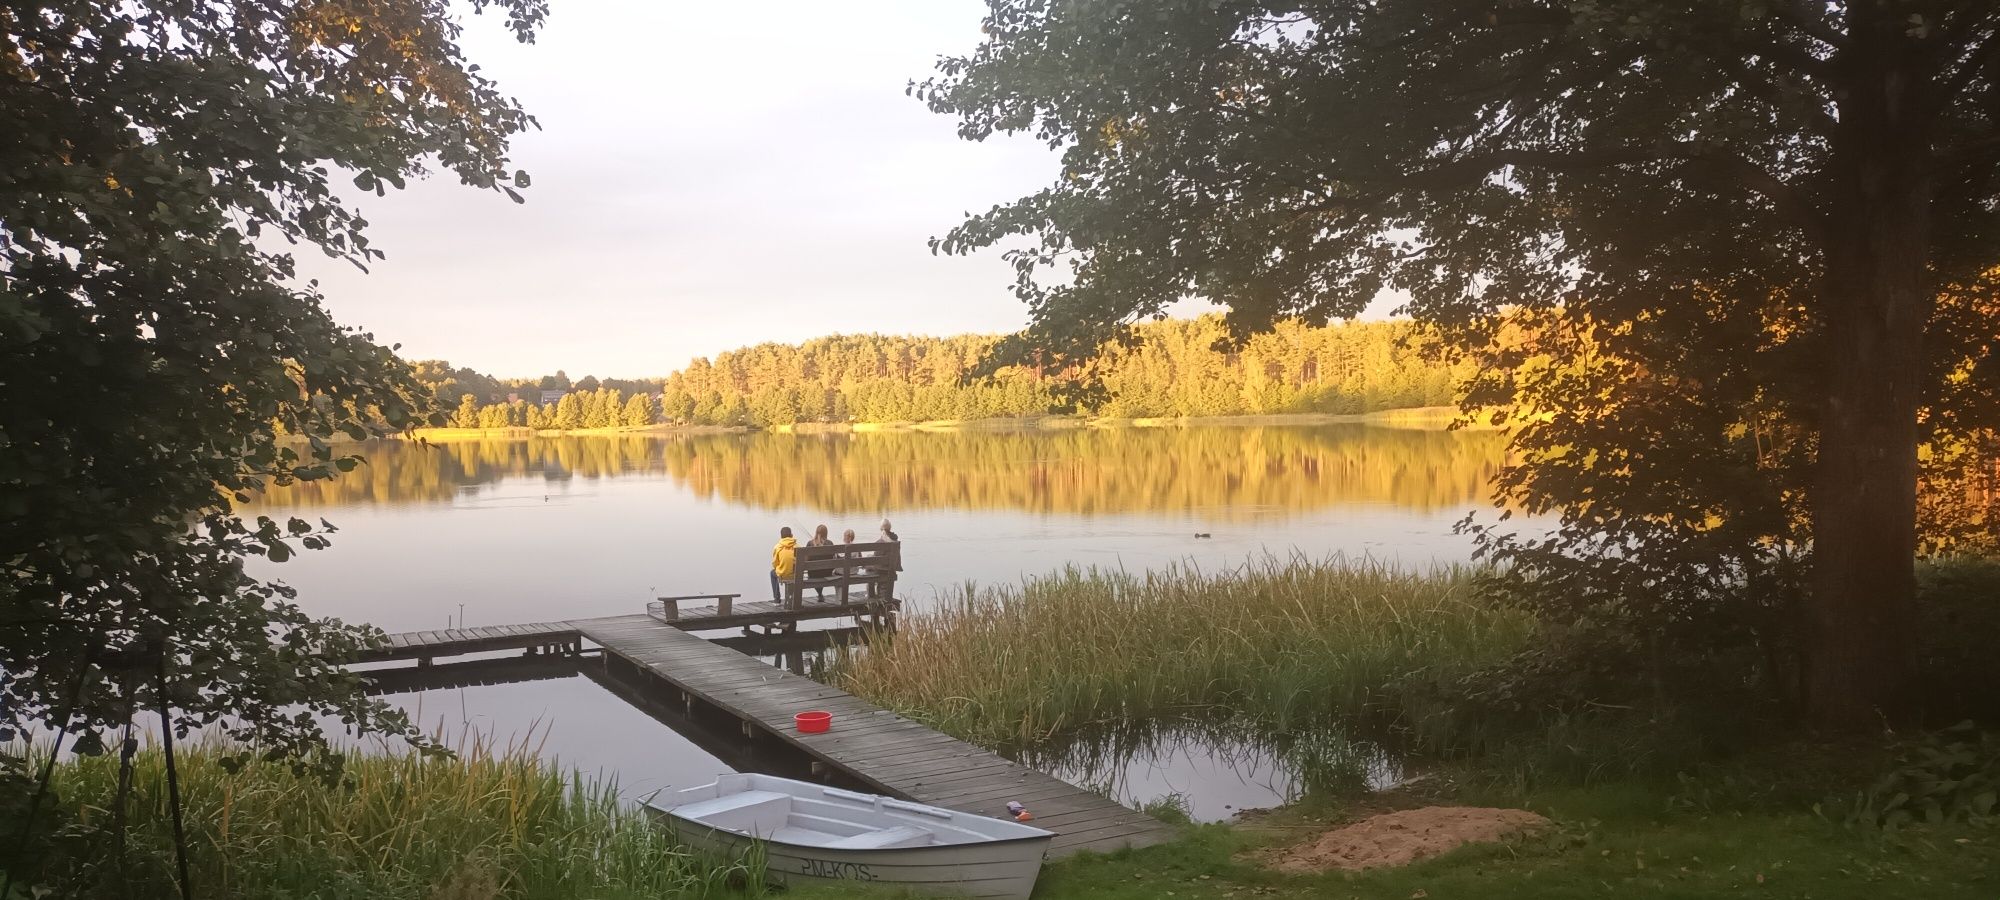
{"x":561,"y":637}
{"x":885,"y":751}
{"x":423,"y":646}
{"x":855,"y":581}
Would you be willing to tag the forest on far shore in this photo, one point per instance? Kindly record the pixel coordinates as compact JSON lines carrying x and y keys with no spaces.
{"x":1173,"y":369}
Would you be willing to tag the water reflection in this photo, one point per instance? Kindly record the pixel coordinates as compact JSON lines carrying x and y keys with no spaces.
{"x":1215,"y":769}
{"x":512,"y":531}
{"x":1230,"y":472}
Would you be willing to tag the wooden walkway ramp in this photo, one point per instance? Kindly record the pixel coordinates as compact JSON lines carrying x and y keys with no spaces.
{"x":895,"y":755}
{"x":423,"y":646}
{"x":890,"y":753}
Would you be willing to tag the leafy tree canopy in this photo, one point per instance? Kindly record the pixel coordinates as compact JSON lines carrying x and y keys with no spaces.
{"x":1726,"y":224}
{"x":160,"y":160}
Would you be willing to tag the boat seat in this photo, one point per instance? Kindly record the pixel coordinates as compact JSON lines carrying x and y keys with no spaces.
{"x":734,"y":810}
{"x":885,"y":839}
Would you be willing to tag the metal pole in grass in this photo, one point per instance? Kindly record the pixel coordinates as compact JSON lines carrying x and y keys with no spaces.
{"x":173,"y":777}
{"x":126,"y":749}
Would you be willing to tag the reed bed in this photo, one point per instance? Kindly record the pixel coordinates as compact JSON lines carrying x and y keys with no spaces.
{"x":1289,"y":644}
{"x":490,"y":823}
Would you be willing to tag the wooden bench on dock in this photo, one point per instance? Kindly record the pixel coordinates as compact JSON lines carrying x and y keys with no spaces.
{"x":844,"y":580}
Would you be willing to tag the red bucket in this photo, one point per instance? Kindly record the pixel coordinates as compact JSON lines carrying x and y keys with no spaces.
{"x":813,"y":721}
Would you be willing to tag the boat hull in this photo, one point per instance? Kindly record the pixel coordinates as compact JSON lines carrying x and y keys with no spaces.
{"x":994,"y":869}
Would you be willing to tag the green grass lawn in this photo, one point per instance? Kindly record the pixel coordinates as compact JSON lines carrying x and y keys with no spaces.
{"x":1609,"y":841}
{"x":487,"y":826}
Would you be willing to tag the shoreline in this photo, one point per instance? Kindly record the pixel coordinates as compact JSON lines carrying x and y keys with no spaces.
{"x":1424,"y":418}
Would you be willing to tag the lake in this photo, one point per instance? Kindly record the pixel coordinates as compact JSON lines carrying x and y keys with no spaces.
{"x":504,"y":531}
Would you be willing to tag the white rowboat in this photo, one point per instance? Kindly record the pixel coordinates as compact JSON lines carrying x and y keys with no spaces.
{"x":813,"y":833}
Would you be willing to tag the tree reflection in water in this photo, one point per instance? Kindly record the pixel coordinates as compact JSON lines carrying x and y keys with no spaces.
{"x":1217,"y":767}
{"x":1227,"y":472}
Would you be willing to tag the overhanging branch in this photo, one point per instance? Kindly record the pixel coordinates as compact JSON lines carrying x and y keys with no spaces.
{"x":1694,"y":158}
{"x":1810,"y":17}
{"x":1969,"y":67}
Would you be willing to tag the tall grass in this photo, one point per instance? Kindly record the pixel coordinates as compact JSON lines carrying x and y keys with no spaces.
{"x":490,"y":823}
{"x":1289,"y":644}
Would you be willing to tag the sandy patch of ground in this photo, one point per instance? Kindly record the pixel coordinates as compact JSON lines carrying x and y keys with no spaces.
{"x":1399,"y":838}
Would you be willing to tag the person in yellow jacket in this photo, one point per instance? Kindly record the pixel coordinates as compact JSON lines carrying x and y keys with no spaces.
{"x":782,"y":562}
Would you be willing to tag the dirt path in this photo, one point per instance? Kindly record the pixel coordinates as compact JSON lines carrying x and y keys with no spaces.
{"x":1403,"y":837}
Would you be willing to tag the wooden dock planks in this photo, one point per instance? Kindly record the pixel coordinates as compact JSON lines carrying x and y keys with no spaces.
{"x":458,"y":641}
{"x":487,"y":638}
{"x":744,"y":614}
{"x":897,"y":756}
{"x":894,"y":754}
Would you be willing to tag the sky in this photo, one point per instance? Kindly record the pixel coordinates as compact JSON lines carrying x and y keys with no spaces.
{"x":704,"y":179}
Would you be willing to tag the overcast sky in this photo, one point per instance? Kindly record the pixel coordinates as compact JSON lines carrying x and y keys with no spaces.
{"x":707,"y":176}
{"x":704,"y":178}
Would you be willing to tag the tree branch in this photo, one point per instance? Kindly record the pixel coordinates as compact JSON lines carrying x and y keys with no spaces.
{"x":1772,"y":91}
{"x":1969,"y":152}
{"x":1810,"y":17}
{"x":1796,"y":57}
{"x":1969,"y":68}
{"x":1718,"y":164}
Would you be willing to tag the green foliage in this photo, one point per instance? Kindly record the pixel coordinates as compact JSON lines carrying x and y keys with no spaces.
{"x":1314,"y":662}
{"x":1609,"y":841}
{"x":467,"y":414}
{"x":1946,"y":776}
{"x":1169,"y":808}
{"x":1289,"y":645}
{"x":1171,"y":368}
{"x":1752,"y":247}
{"x":451,"y":386}
{"x":487,"y":824}
{"x":1958,"y":631}
{"x":639,"y":412}
{"x":605,"y":407}
{"x":162,"y":158}
{"x":568,"y":413}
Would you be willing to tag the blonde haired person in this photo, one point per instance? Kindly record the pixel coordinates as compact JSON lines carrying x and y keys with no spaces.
{"x":889,"y":536}
{"x":847,"y":571}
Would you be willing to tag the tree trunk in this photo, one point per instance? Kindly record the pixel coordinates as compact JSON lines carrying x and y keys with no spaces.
{"x":1860,"y":628}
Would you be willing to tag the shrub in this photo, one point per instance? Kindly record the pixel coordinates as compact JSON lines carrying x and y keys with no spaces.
{"x":486,"y":824}
{"x":1947,"y":776}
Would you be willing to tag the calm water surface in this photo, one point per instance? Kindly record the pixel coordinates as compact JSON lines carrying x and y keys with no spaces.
{"x":494,"y":532}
